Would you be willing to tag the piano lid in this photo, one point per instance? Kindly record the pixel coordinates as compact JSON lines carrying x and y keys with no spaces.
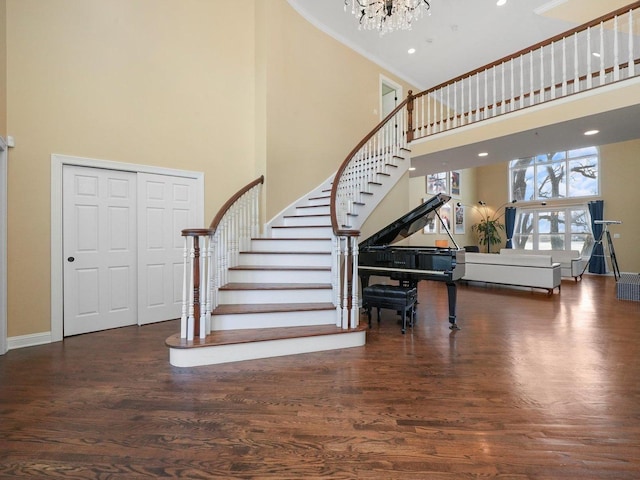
{"x":408,"y":224}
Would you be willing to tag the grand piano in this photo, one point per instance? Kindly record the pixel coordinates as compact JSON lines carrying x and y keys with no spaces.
{"x":380,"y":257}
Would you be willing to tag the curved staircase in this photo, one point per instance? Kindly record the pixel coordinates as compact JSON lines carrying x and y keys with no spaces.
{"x":280,"y":298}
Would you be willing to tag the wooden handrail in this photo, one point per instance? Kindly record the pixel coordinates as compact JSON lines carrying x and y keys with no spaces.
{"x":538,"y":45}
{"x":216,"y":220}
{"x":337,"y":230}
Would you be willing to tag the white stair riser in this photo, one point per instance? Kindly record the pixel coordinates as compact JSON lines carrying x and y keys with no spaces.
{"x":279,"y":276}
{"x":313,"y":295}
{"x":313,"y":210}
{"x":285,"y":259}
{"x":307,"y":220}
{"x":302,"y":232}
{"x":273,"y":320}
{"x":214,"y":355}
{"x":271,"y":245}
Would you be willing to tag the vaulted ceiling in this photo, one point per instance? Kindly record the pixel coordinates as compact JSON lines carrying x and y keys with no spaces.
{"x":462,"y":35}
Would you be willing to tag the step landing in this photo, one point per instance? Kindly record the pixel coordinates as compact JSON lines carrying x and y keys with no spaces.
{"x":240,"y":345}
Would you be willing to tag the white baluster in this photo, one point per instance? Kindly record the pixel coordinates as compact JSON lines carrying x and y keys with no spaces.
{"x":531,"y":84}
{"x":542,"y":94}
{"x":564,"y":67}
{"x":602,"y":54}
{"x":521,"y":81}
{"x":512,"y":105}
{"x":553,"y":71}
{"x":576,"y":62}
{"x":455,"y":105}
{"x":616,"y":52}
{"x":355,"y":301}
{"x":503,"y":95}
{"x":478,"y":104}
{"x":335,"y":277}
{"x":470,"y":102}
{"x":448,"y":113}
{"x":632,"y":65}
{"x":190,"y":318}
{"x":344,"y":246}
{"x":429,"y":131}
{"x":185,"y":298}
{"x":495,"y":95}
{"x":203,"y":287}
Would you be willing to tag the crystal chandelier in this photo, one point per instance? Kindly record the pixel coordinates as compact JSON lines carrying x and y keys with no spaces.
{"x":387,"y":15}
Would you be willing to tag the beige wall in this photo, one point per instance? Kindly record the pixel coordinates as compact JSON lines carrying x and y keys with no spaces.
{"x":620,"y":170}
{"x":157,"y":82}
{"x":322,"y":98}
{"x":3,"y":68}
{"x":184,"y":84}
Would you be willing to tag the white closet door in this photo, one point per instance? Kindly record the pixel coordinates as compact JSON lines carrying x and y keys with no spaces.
{"x":166,"y":206}
{"x":99,"y":248}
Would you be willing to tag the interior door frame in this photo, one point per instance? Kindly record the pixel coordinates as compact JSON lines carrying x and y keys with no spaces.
{"x":57,"y":257}
{"x":385,"y":81}
{"x":3,"y":246}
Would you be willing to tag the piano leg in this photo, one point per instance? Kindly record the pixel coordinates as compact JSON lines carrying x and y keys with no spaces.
{"x":452,"y":294}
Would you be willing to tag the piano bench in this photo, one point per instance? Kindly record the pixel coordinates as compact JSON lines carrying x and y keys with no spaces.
{"x":394,"y":297}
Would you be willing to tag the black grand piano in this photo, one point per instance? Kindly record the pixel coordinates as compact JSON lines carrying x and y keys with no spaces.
{"x":379,"y":256}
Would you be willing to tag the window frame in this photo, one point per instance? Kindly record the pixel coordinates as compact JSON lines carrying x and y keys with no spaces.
{"x":537,"y":164}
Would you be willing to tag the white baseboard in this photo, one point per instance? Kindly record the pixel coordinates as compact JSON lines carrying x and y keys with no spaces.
{"x":30,"y":340}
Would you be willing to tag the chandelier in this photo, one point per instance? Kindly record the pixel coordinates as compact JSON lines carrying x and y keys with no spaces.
{"x":387,"y":15}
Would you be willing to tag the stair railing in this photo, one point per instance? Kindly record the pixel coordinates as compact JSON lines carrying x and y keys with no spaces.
{"x":230,"y":232}
{"x":560,"y":66}
{"x":380,"y":148}
{"x":597,"y":53}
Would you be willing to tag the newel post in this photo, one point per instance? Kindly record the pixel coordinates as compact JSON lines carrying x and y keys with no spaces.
{"x":410,"y":98}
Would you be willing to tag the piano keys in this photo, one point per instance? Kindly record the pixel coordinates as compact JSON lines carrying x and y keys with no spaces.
{"x":408,"y":265}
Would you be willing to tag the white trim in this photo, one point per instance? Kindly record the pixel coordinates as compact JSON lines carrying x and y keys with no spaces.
{"x":214,"y":355}
{"x":396,"y":86}
{"x":57,"y":268}
{"x":511,"y":116}
{"x":3,"y":247}
{"x":348,"y":43}
{"x":30,"y":340}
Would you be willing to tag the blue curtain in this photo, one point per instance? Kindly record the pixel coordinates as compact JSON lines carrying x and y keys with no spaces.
{"x":509,"y":224}
{"x":597,"y":263}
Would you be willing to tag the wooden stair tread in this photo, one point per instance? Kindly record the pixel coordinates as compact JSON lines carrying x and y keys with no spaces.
{"x":302,"y":226}
{"x":307,"y":215}
{"x":278,"y":268}
{"x":259,"y":252}
{"x":235,"y":309}
{"x":301,"y":239}
{"x":276,"y":286}
{"x":231,"y":337}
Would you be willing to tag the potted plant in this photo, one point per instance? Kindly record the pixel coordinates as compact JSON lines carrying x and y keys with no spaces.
{"x":488,"y":231}
{"x":489,"y":227}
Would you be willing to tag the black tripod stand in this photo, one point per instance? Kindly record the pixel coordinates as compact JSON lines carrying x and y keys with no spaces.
{"x":606,"y":234}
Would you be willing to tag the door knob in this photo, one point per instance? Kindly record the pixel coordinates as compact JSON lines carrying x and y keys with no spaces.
{"x":70,"y":259}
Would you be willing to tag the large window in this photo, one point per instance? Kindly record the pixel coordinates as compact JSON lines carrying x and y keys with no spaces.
{"x":561,"y":228}
{"x":567,"y":174}
{"x":543,"y":180}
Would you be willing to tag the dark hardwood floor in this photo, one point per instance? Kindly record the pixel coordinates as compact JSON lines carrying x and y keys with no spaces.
{"x":532,"y":387}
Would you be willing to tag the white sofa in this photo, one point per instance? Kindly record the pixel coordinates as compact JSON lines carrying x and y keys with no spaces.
{"x":572,"y":262}
{"x":535,"y":271}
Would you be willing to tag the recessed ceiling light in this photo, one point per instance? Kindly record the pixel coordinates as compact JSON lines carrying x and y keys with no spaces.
{"x":501,"y":2}
{"x":411,"y":51}
{"x":483,"y":154}
{"x":596,"y":54}
{"x":591,"y":132}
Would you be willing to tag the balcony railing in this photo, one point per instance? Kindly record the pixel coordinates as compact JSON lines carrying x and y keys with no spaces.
{"x":600,"y":52}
